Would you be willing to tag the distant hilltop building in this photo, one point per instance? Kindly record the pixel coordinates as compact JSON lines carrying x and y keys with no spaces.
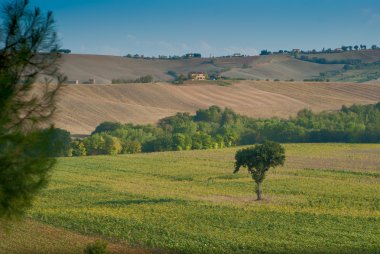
{"x":72,"y":82}
{"x":197,"y":76}
{"x":62,"y":51}
{"x":193,"y":55}
{"x":296,"y":51}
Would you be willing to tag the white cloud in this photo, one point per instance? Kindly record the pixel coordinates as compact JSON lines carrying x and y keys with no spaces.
{"x":242,"y":50}
{"x":112,"y":51}
{"x":205,"y":45}
{"x":373,"y":17}
{"x":162,"y":44}
{"x":159,"y":47}
{"x":83,"y":48}
{"x":366,"y":10}
{"x":150,"y":47}
{"x":184,"y":46}
{"x":131,"y":37}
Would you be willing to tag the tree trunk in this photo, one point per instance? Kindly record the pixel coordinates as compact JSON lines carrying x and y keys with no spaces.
{"x":258,"y":191}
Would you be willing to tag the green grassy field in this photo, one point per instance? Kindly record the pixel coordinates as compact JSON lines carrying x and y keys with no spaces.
{"x":326,"y":199}
{"x":357,"y":76}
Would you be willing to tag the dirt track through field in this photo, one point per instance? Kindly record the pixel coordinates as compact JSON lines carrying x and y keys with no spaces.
{"x":82,"y":107}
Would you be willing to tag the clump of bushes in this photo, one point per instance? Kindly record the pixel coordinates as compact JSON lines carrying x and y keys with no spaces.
{"x":142,"y":79}
{"x":98,"y":247}
{"x":314,"y":80}
{"x":180,"y":79}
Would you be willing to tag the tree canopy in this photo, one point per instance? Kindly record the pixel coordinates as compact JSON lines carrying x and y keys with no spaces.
{"x":258,"y":160}
{"x":217,"y":128}
{"x":27,"y":40}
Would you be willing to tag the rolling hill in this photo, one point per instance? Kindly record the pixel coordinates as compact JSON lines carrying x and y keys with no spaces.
{"x":105,"y":68}
{"x":366,"y":56}
{"x":284,"y":67}
{"x":82,"y":107}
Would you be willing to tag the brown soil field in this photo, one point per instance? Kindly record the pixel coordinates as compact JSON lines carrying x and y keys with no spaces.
{"x":279,"y":67}
{"x":82,"y":107}
{"x":105,"y":68}
{"x":284,"y":67}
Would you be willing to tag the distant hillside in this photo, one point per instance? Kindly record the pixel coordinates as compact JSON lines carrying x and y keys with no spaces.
{"x":82,"y":107}
{"x":366,"y":56}
{"x":106,"y":68}
{"x":283,"y":67}
{"x":360,"y":66}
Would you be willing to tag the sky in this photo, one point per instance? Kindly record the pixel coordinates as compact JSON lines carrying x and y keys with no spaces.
{"x":211,"y":27}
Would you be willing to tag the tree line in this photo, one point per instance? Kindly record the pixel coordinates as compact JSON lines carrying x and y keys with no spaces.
{"x":215,"y":127}
{"x":321,"y":60}
{"x":343,"y":48}
{"x":142,"y":79}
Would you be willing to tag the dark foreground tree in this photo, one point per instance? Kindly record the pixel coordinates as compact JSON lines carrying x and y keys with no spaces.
{"x":258,"y":160}
{"x":27,"y":40}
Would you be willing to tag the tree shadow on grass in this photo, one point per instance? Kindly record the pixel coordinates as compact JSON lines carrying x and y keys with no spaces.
{"x":139,"y":202}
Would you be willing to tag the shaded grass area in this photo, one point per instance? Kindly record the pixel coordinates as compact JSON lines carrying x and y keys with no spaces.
{"x":32,"y":237}
{"x":358,"y":76}
{"x":358,"y":73}
{"x":326,"y":199}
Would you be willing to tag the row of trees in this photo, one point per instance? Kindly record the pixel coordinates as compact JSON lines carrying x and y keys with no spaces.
{"x":214,"y":128}
{"x":142,"y":79}
{"x":357,"y":47}
{"x":321,"y":60}
{"x":328,"y":50}
{"x":174,"y":57}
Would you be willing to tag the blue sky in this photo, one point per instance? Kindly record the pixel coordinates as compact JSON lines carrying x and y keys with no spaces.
{"x":212,"y":27}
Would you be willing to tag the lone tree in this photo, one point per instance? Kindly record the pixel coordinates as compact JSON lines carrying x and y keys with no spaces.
{"x":29,"y":82}
{"x":258,"y":160}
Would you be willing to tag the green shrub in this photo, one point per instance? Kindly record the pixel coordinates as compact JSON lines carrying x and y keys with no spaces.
{"x":142,"y":79}
{"x":78,"y":148}
{"x":131,"y":147}
{"x":98,"y":247}
{"x":112,"y":145}
{"x":59,"y":142}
